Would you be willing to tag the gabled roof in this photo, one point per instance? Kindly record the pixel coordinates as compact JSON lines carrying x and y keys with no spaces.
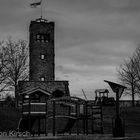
{"x":35,"y":90}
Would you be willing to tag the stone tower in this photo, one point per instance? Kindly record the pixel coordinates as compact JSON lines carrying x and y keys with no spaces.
{"x":41,"y":50}
{"x":42,"y":63}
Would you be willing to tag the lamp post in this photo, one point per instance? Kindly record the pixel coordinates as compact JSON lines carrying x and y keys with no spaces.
{"x":118,"y":129}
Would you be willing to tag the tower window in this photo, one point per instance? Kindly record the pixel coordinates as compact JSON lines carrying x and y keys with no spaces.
{"x":38,"y":37}
{"x":42,"y":79}
{"x":42,"y":37}
{"x":42,"y":56}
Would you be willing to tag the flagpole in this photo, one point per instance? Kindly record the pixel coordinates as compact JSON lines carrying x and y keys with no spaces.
{"x":41,"y":10}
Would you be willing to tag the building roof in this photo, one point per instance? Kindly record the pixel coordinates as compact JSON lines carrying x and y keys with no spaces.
{"x":35,"y":90}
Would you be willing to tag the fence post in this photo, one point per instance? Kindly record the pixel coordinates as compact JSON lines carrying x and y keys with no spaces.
{"x":46,"y":118}
{"x":53,"y":117}
{"x":69,"y":115}
{"x":86,"y":118}
{"x":77,"y":117}
{"x":29,"y":114}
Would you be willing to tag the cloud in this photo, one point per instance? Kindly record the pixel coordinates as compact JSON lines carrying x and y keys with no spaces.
{"x":92,"y":37}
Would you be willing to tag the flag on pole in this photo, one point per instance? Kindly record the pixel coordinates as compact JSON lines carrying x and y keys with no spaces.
{"x":34,"y":5}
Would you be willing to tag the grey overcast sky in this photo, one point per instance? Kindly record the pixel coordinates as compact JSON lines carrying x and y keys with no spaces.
{"x":92,"y":37}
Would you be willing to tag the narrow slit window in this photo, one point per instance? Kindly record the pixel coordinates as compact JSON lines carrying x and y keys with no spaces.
{"x":38,"y":38}
{"x":42,"y":79}
{"x":42,"y":56}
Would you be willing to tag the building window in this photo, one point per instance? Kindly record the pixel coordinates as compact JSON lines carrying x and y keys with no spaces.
{"x":42,"y":37}
{"x":37,"y":37}
{"x":42,"y":79}
{"x":73,"y":110}
{"x":42,"y":56}
{"x":26,"y":96}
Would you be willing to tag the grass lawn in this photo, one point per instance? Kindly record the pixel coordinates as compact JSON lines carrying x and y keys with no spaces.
{"x":129,"y":114}
{"x":9,"y":118}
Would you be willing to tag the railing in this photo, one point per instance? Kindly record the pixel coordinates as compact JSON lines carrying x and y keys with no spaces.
{"x":34,"y":108}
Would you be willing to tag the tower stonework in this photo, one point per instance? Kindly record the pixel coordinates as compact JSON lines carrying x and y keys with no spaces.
{"x":42,"y":63}
{"x":41,"y":50}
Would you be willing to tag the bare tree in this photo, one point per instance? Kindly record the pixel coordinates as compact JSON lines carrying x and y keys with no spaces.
{"x":14,"y":56}
{"x":136,"y":58}
{"x":128,"y":76}
{"x":3,"y":74}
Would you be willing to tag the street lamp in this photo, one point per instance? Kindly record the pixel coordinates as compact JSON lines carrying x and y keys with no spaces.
{"x":118,"y":130}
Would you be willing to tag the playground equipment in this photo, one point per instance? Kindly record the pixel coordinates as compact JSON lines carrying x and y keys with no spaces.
{"x":101,"y":97}
{"x":79,"y":113}
{"x":118,"y":123}
{"x":34,"y":112}
{"x":41,"y":115}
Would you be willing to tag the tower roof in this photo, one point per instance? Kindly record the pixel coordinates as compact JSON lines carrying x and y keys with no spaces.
{"x":41,"y":20}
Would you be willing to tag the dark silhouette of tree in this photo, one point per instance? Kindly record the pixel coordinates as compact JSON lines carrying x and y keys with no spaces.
{"x":10,"y":101}
{"x":128,"y":76}
{"x":3,"y":63}
{"x":136,"y":58}
{"x":14,"y":56}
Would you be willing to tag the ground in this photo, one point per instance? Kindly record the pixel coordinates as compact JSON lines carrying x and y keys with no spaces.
{"x":130,"y":115}
{"x":9,"y":120}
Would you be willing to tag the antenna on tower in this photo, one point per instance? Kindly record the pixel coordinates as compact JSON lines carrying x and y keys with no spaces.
{"x":41,"y":10}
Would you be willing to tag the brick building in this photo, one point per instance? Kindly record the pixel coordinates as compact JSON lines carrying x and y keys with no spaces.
{"x":42,"y":62}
